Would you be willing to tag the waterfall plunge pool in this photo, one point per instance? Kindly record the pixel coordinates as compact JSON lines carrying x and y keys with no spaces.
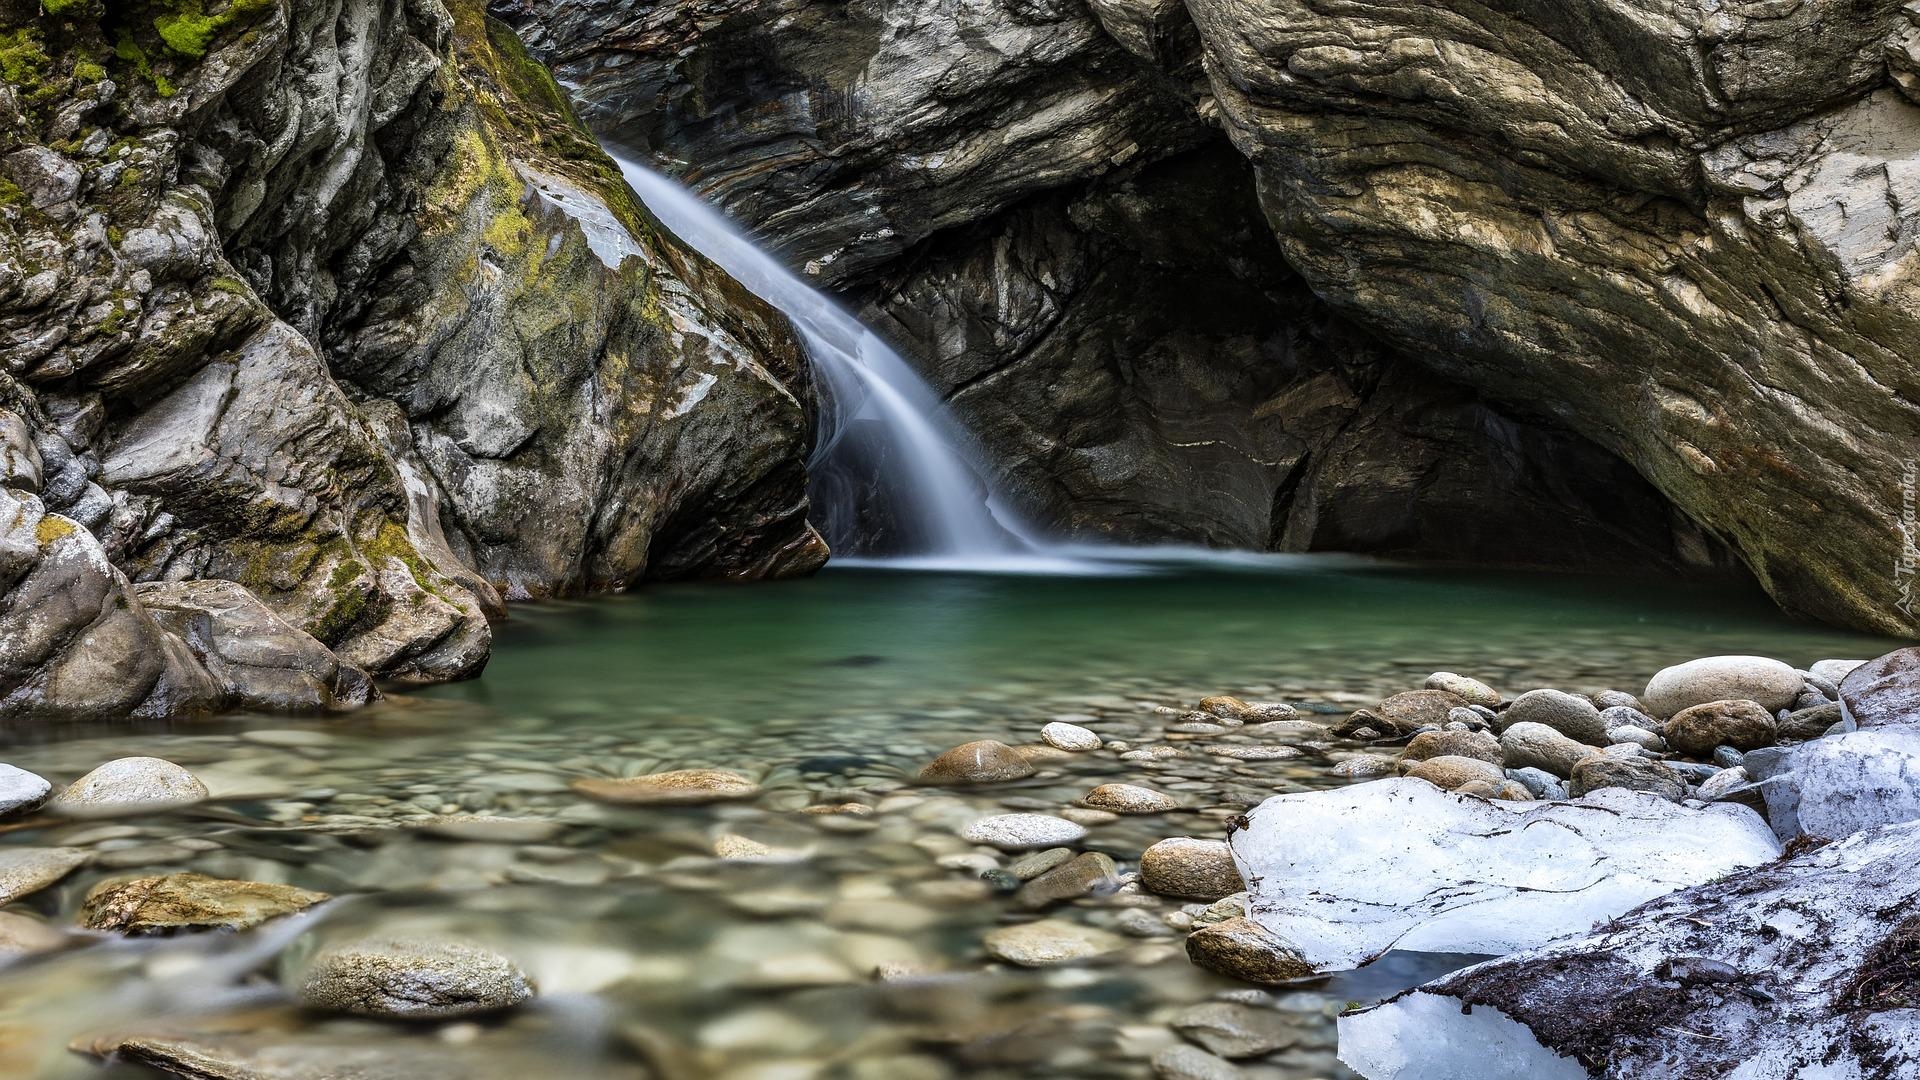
{"x":653,"y":956}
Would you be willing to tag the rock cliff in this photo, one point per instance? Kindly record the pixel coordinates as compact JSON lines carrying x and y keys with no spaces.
{"x":337,"y":301}
{"x":1675,"y":239}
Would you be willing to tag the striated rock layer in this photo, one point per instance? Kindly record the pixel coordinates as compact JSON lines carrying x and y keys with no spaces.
{"x":1668,"y":239}
{"x":336,"y":301}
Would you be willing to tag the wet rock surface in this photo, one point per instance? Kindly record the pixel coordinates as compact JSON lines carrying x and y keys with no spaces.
{"x":288,"y":333}
{"x":408,"y":979}
{"x":129,"y":785}
{"x":177,"y":902}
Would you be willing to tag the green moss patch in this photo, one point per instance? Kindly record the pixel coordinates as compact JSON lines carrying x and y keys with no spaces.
{"x":190,"y":29}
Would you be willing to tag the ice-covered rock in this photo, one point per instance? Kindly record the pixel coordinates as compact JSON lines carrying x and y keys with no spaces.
{"x":1837,"y":786}
{"x":1796,"y":969}
{"x":1346,"y":874}
{"x":1421,"y":1036}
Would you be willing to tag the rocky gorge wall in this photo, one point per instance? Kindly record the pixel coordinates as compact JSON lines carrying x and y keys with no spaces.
{"x":1647,"y":263}
{"x":336,"y":301}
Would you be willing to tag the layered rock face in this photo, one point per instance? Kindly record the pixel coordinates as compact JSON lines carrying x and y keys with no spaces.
{"x":337,"y":302}
{"x":1686,"y":229}
{"x":1671,"y":235}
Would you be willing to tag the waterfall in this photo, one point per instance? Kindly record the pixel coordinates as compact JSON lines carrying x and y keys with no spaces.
{"x":891,"y":473}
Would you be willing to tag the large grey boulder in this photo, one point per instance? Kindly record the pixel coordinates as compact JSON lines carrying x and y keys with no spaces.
{"x":1798,"y":968}
{"x":257,"y":659}
{"x":1347,"y":874}
{"x":372,"y":329}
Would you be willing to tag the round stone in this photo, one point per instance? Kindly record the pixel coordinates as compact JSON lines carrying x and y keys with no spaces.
{"x":1634,"y":774}
{"x":1473,"y":691}
{"x":128,"y":785}
{"x":1722,"y":678}
{"x":1744,"y":725}
{"x":982,"y":762}
{"x":1190,"y":868}
{"x":1450,"y":772}
{"x":21,"y":790}
{"x":1537,"y":746}
{"x":1574,"y":717}
{"x":1243,"y":949}
{"x":1071,"y":737}
{"x":1020,"y":832}
{"x":1048,"y":942}
{"x":412,"y":979}
{"x":1130,"y":799}
{"x":1433,"y":744}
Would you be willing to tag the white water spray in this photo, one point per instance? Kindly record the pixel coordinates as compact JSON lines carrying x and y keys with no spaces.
{"x":940,"y":500}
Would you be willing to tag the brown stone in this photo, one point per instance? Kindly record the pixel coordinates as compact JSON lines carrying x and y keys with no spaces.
{"x":681,"y":787}
{"x":983,"y":762}
{"x":1743,"y":725}
{"x":1473,"y":744}
{"x":172,"y":902}
{"x":1242,"y":949}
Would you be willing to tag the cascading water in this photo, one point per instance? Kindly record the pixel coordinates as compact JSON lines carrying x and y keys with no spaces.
{"x":885,"y":434}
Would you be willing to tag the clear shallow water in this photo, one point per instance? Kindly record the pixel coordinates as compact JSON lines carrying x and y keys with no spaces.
{"x":654,"y":956}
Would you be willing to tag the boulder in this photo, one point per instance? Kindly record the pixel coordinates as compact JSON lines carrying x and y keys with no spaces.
{"x":982,"y":762}
{"x":1834,"y":671}
{"x":1574,"y":717}
{"x":1049,"y":942}
{"x":1070,"y":737}
{"x":25,"y":870}
{"x":1433,"y":744}
{"x":1243,"y":949}
{"x":21,"y":791}
{"x":187,"y":901}
{"x":129,"y":785}
{"x":1537,"y":746}
{"x":1346,"y":874}
{"x":1077,"y":877}
{"x":1232,"y":1029}
{"x":411,"y":979}
{"x":259,"y":660}
{"x":1638,"y":736}
{"x":1402,"y":713}
{"x":1884,"y":691}
{"x":1130,"y":799}
{"x":1721,"y":678}
{"x":1634,"y":774}
{"x":1472,"y":691}
{"x":1804,"y":724}
{"x":1190,"y":868}
{"x":1450,"y":772}
{"x":1020,"y":832}
{"x":1837,"y":786}
{"x":1697,"y":730}
{"x":1797,"y":968}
